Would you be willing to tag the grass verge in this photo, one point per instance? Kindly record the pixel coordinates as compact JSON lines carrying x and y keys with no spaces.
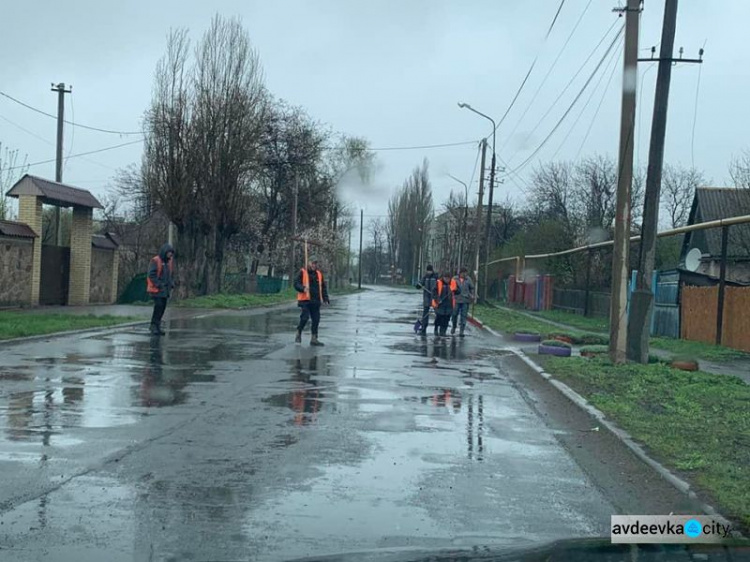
{"x":694,"y":422}
{"x":22,"y":325}
{"x":581,"y":324}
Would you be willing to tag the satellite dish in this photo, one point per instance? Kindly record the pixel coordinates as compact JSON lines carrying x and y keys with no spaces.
{"x":693,"y":259}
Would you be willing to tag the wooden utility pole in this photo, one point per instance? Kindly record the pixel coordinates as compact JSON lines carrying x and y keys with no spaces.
{"x":293,"y":247}
{"x":642,"y":299}
{"x":479,"y":215}
{"x":61,"y":91}
{"x":361,"y":235}
{"x":722,"y":284}
{"x":618,"y":334}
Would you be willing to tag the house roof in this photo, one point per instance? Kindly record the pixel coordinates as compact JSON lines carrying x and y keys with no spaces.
{"x":54,"y":193}
{"x":715,"y":203}
{"x":104,"y":242}
{"x":15,"y":229}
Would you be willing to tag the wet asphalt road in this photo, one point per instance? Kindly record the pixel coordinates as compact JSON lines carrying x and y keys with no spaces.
{"x":225,"y":441}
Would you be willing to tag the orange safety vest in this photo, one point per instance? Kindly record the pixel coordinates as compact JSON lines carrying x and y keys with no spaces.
{"x":306,"y":282}
{"x":453,"y":286}
{"x":151,"y":288}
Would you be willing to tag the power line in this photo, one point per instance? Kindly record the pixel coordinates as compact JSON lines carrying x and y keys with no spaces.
{"x":33,"y":134}
{"x":695,"y":116}
{"x":109,"y":131}
{"x":422,"y":147}
{"x":549,"y":72}
{"x":601,"y":102}
{"x":570,"y":82}
{"x":573,"y":103}
{"x":77,"y":155}
{"x":613,"y":59}
{"x":533,"y":64}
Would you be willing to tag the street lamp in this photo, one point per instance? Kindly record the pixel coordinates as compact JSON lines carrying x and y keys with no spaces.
{"x":462,"y":230}
{"x":489,"y":203}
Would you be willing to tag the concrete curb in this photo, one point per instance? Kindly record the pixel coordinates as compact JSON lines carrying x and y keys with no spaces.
{"x":622,"y":435}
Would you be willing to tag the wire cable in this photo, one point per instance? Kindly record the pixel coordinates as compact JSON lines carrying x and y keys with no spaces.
{"x":533,"y":64}
{"x":77,"y":155}
{"x":613,"y":59}
{"x":601,"y":102}
{"x":570,"y":82}
{"x":573,"y":103}
{"x":32,"y":108}
{"x":546,"y":76}
{"x":695,"y":116}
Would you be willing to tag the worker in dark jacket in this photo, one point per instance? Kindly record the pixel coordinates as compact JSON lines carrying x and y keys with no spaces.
{"x":159,"y":285}
{"x":311,"y":293}
{"x":464,"y":298}
{"x":427,"y":284}
{"x":444,"y":301}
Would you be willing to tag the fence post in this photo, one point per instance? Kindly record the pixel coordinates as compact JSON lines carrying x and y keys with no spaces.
{"x":655,"y":287}
{"x":722,"y":284}
{"x":588,"y":283}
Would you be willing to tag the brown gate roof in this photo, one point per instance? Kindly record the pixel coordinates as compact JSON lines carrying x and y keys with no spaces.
{"x":54,"y":193}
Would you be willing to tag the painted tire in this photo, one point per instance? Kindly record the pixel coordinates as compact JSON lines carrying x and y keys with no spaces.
{"x":527,"y":337}
{"x":564,"y":339}
{"x":554,"y":350}
{"x":684,"y":365}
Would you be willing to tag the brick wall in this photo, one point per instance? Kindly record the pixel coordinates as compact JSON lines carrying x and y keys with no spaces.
{"x":16,"y":258}
{"x":80,"y":257}
{"x":30,"y":212}
{"x":101,"y":276}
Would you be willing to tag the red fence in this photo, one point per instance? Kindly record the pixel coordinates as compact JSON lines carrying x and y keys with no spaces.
{"x":534,"y":293}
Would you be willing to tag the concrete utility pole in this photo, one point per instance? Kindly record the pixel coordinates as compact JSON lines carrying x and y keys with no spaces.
{"x":61,"y":91}
{"x":618,"y":333}
{"x":479,"y":214}
{"x":642,"y":300}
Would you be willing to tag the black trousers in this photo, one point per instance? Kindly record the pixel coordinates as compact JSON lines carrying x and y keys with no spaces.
{"x":441,"y":322}
{"x":310,"y":311}
{"x":160,"y":305}
{"x":425,"y":318}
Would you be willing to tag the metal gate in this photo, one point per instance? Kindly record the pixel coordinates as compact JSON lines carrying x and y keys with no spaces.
{"x":55,"y":275}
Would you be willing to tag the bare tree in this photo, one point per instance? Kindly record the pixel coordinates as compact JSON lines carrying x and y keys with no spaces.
{"x":10,"y":172}
{"x":677,"y":193}
{"x":739,"y":170}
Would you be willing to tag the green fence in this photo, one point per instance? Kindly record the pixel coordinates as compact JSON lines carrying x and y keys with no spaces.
{"x":135,"y":291}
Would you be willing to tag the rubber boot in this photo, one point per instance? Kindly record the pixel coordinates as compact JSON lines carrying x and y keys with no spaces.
{"x":453,"y":329}
{"x":443,"y":331}
{"x":298,"y":337}
{"x":461,"y":332}
{"x":155,"y":331}
{"x":314,"y":342}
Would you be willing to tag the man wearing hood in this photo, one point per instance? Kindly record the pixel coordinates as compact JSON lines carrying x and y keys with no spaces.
{"x":159,"y":284}
{"x":312,"y":291}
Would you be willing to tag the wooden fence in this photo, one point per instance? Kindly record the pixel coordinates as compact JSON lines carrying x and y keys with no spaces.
{"x":699,"y":308}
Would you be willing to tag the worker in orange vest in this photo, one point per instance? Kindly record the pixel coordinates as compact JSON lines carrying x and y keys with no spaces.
{"x":444,"y":301}
{"x":312,"y":292}
{"x":159,"y":285}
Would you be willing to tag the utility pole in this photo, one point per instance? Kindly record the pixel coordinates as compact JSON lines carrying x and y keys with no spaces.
{"x":479,"y":211}
{"x":61,"y":91}
{"x":618,"y":334}
{"x":295,"y":199}
{"x":642,"y":299}
{"x":349,"y":258}
{"x":487,"y":245}
{"x":361,"y":235}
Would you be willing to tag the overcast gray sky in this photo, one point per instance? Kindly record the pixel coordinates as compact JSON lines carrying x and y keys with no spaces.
{"x":389,"y":70}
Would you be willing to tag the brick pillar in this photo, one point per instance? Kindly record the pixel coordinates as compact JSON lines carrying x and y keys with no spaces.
{"x":80,"y":257}
{"x":115,"y":273}
{"x":30,"y":212}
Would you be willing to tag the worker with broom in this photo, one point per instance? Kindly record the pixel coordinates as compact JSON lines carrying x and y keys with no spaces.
{"x":312,"y":292}
{"x":444,"y":301}
{"x":427,"y":284}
